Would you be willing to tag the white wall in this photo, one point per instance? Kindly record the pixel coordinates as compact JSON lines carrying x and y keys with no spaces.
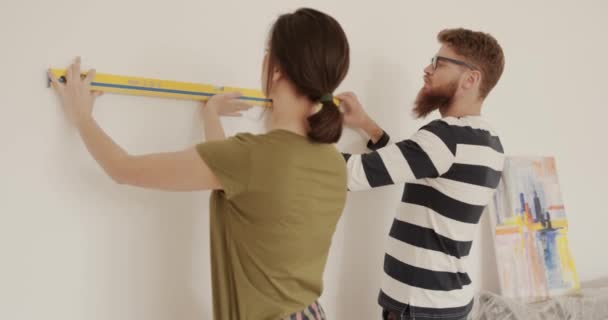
{"x":73,"y":245}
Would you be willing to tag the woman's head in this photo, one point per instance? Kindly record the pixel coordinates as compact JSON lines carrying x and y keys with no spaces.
{"x":309,"y":49}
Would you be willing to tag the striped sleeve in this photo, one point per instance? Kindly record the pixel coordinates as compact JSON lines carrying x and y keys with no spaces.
{"x":429,"y":153}
{"x":381,"y":143}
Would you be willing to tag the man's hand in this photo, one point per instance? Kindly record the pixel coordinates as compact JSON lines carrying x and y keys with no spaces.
{"x":356,"y":117}
{"x":354,"y":114}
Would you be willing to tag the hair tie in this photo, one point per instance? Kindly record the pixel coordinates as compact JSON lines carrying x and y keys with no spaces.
{"x":328,"y":97}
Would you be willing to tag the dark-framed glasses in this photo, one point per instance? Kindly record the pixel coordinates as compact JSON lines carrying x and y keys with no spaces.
{"x":436,"y":59}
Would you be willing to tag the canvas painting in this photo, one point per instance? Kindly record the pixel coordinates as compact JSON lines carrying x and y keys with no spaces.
{"x":531,"y":231}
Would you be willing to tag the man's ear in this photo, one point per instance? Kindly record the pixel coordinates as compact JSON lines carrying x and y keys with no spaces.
{"x":472,"y":79}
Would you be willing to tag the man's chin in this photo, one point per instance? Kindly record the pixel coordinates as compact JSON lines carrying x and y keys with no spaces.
{"x":421,"y":93}
{"x":418,"y":116}
{"x":421,"y":113}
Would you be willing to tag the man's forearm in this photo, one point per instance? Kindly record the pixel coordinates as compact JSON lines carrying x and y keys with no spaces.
{"x":373,"y":130}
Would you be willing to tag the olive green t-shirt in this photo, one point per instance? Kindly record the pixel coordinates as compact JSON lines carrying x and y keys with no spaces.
{"x":272,"y":224}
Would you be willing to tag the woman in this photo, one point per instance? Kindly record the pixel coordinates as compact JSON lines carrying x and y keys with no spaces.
{"x":277,"y":196}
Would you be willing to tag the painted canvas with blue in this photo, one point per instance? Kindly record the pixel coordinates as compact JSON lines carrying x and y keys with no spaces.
{"x":531,"y":231}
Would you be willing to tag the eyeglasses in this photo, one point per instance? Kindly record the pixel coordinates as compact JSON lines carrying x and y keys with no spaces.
{"x":435,"y":59}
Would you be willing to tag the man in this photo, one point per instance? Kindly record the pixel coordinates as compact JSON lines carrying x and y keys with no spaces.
{"x":450,"y":167}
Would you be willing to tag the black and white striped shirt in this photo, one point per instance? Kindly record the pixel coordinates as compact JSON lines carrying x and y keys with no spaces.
{"x":451,"y":168}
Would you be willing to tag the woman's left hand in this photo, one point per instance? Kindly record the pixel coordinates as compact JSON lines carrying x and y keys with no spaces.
{"x":226,"y":104}
{"x":75,"y":93}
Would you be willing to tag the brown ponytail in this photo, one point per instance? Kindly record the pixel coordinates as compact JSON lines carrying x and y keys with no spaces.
{"x":311,"y":49}
{"x":326,"y":125}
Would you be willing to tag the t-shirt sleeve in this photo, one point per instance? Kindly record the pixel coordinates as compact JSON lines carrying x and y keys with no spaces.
{"x":230,"y":161}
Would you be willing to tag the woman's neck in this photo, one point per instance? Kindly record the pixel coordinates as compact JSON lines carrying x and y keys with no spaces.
{"x":290,"y":112}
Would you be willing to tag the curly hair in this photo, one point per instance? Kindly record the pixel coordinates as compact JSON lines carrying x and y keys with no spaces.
{"x":479,"y":49}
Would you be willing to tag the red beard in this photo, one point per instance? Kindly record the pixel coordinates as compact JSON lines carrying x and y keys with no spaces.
{"x":432,"y":99}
